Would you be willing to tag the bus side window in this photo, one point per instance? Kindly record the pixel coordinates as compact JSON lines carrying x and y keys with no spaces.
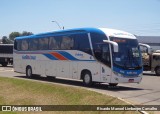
{"x":53,"y":43}
{"x":33,"y":44}
{"x":15,"y":44}
{"x":67,"y":42}
{"x":82,"y":43}
{"x":24,"y":45}
{"x":106,"y":54}
{"x":19,"y":45}
{"x":43,"y":43}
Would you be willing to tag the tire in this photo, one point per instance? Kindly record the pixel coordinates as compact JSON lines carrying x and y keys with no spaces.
{"x":87,"y":78}
{"x":113,"y":84}
{"x":157,"y":70}
{"x":29,"y":72}
{"x":4,"y":64}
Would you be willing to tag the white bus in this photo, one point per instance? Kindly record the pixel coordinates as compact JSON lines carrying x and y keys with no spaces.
{"x":90,"y":54}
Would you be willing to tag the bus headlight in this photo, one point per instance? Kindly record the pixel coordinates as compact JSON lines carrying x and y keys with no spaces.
{"x":118,"y":74}
{"x":140,"y":75}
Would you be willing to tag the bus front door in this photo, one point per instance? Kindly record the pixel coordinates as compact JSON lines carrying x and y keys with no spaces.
{"x":106,"y":66}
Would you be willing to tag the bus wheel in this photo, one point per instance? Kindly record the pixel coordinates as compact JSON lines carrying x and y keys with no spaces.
{"x":29,"y":72}
{"x":4,"y":64}
{"x":113,"y":84}
{"x":157,"y":70}
{"x":87,"y":78}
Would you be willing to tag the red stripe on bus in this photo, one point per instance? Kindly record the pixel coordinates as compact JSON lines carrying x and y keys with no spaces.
{"x":58,"y":56}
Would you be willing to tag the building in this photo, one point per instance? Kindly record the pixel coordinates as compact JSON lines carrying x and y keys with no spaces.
{"x":153,"y":41}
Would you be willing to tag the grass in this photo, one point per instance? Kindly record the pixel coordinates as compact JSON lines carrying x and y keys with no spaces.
{"x":28,"y":92}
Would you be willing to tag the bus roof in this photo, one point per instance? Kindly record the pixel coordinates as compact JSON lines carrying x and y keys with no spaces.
{"x":108,"y":32}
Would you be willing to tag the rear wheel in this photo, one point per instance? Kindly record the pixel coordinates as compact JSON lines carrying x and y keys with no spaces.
{"x":87,"y":78}
{"x":157,"y":70}
{"x":4,"y":64}
{"x":29,"y":72}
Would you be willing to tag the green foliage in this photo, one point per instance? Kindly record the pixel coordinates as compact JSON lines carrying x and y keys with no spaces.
{"x":5,"y":40}
{"x":29,"y":92}
{"x":13,"y":35}
{"x":17,"y":34}
{"x":25,"y":33}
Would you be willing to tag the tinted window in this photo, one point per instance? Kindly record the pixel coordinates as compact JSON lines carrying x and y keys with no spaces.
{"x":54,"y":43}
{"x":101,"y":49}
{"x":15,"y":44}
{"x":97,"y":39}
{"x":43,"y":43}
{"x":67,"y":43}
{"x":82,"y":43}
{"x":33,"y":44}
{"x":105,"y":58}
{"x":19,"y":44}
{"x":24,"y":45}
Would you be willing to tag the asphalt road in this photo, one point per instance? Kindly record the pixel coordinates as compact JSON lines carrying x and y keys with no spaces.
{"x":147,"y":92}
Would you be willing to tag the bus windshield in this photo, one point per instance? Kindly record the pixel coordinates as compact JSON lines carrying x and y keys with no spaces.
{"x":128,"y":56}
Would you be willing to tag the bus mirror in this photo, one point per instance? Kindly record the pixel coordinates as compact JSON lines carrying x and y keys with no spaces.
{"x":147,"y":46}
{"x":115,"y":45}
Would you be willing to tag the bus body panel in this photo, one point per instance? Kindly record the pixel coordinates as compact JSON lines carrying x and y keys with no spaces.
{"x":51,"y":68}
{"x":125,"y":79}
{"x":70,"y":63}
{"x":42,"y":65}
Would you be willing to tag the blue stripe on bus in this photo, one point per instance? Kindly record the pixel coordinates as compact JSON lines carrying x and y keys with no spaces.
{"x":128,"y":72}
{"x":65,"y":54}
{"x":51,"y":57}
{"x":70,"y":57}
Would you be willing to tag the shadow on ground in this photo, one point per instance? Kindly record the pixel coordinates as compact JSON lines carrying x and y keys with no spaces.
{"x":102,"y":86}
{"x":149,"y":74}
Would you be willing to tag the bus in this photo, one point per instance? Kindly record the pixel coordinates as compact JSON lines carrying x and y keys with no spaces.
{"x":99,"y":55}
{"x":6,"y":54}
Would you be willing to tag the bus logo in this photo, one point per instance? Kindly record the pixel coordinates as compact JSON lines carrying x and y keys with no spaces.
{"x":79,"y":55}
{"x":29,"y":57}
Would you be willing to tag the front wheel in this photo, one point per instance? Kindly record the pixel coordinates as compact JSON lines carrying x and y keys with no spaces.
{"x":87,"y":79}
{"x":29,"y":72}
{"x":157,"y":70}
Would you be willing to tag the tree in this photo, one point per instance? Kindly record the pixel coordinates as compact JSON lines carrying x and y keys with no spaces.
{"x":17,"y":34}
{"x":13,"y":35}
{"x":25,"y":33}
{"x":5,"y":40}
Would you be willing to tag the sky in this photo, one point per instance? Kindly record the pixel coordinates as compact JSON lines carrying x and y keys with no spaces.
{"x":139,"y":17}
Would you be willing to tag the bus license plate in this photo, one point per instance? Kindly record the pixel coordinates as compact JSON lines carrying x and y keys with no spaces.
{"x":131,"y":80}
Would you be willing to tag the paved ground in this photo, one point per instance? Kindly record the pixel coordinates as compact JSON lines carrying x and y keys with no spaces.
{"x":147,"y":92}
